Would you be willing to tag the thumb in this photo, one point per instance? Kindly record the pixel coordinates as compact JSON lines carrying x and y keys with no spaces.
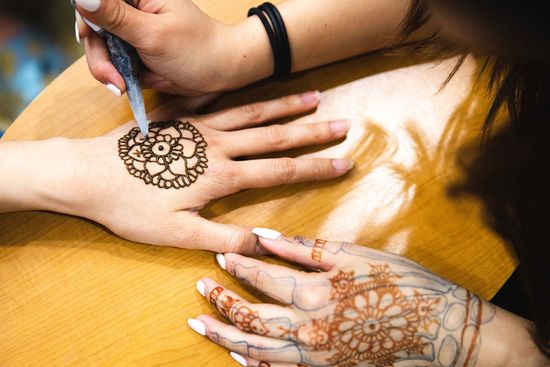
{"x":203,"y":234}
{"x":117,"y":17}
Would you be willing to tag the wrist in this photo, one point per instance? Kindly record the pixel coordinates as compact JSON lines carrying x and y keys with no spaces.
{"x":508,"y":342}
{"x":39,"y":175}
{"x":251,"y":57}
{"x":62,"y":176}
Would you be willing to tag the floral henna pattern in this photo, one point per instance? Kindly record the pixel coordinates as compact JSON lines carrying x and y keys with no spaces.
{"x":342,"y":284}
{"x":376,"y":322}
{"x":373,"y":321}
{"x":172,"y":156}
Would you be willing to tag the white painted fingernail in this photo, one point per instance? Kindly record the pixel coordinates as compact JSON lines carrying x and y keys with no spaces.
{"x":92,"y":25}
{"x":342,"y":165}
{"x":201,"y":287}
{"x":90,"y":5}
{"x":114,"y":89}
{"x":221,"y":260}
{"x":197,"y":326}
{"x":270,"y":234}
{"x":238,"y":358}
{"x":76,"y":32}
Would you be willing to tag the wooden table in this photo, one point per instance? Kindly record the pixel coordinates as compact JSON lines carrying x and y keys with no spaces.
{"x":72,"y":294}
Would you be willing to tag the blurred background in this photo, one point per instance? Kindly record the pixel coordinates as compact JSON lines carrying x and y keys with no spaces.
{"x":37,"y":42}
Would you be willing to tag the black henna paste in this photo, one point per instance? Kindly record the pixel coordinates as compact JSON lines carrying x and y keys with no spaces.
{"x":172,"y":156}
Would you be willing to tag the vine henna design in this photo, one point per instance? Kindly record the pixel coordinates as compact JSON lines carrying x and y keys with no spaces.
{"x":171,"y":157}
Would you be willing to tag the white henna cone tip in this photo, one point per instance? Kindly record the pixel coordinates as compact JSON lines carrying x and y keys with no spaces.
{"x":201,"y":287}
{"x":197,"y":326}
{"x":238,"y":358}
{"x":267,"y":233}
{"x":221,"y":260}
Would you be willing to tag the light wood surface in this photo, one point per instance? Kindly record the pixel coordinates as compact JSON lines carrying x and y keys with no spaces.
{"x":72,"y":294}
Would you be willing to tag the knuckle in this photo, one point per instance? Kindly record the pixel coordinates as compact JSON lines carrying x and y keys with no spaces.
{"x":236,"y":241}
{"x":257,"y":354}
{"x":287,"y":169}
{"x":318,"y":131}
{"x":311,"y":298}
{"x":253,"y":112}
{"x":100,"y":69}
{"x":155,"y":40}
{"x":277,"y":136}
{"x":117,"y":16}
{"x":289,"y":102}
{"x":318,"y":168}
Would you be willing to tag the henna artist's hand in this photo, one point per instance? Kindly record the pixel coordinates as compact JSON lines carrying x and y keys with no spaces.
{"x":362,"y":307}
{"x":184,"y":50}
{"x":150,"y":190}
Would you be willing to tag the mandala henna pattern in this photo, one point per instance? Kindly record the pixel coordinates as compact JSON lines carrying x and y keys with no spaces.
{"x":172,"y":156}
{"x":376,"y":322}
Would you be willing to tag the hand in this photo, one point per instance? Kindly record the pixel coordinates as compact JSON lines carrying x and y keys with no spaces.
{"x":359,"y":307}
{"x":150,"y":190}
{"x":186,"y":52}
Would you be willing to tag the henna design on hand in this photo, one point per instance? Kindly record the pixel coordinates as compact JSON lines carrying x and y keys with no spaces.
{"x":396,"y":311}
{"x":240,"y":315}
{"x":214,"y":295}
{"x":317,"y":250}
{"x":172,"y":156}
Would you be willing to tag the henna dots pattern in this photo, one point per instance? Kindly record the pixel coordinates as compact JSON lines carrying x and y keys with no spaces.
{"x":171,"y":157}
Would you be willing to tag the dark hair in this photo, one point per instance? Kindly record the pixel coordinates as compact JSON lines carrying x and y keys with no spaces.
{"x":508,"y":175}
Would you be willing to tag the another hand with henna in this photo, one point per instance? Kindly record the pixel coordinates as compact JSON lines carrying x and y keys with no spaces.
{"x":355,"y":307}
{"x":150,"y":190}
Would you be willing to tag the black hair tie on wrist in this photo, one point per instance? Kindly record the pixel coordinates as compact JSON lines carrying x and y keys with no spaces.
{"x":278,"y":37}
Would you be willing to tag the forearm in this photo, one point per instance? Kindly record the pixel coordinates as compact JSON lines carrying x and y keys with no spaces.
{"x":37,"y":175}
{"x":320,"y":32}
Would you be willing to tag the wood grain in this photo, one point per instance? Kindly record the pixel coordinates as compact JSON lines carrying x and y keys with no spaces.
{"x":73,"y":294}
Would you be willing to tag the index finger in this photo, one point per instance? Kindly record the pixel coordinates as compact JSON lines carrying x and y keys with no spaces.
{"x":318,"y":253}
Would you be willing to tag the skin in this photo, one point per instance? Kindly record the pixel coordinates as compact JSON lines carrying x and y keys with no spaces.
{"x":356,"y":306}
{"x":88,"y":178}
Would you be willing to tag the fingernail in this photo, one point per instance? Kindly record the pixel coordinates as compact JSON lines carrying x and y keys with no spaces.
{"x":342,"y":164}
{"x":114,"y":89}
{"x":338,"y":127}
{"x":76,"y":32}
{"x":238,"y":358}
{"x":201,"y":287}
{"x":270,"y":234}
{"x":197,"y":326}
{"x":92,"y":25}
{"x":311,"y":98}
{"x":221,"y":260}
{"x":90,"y":5}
